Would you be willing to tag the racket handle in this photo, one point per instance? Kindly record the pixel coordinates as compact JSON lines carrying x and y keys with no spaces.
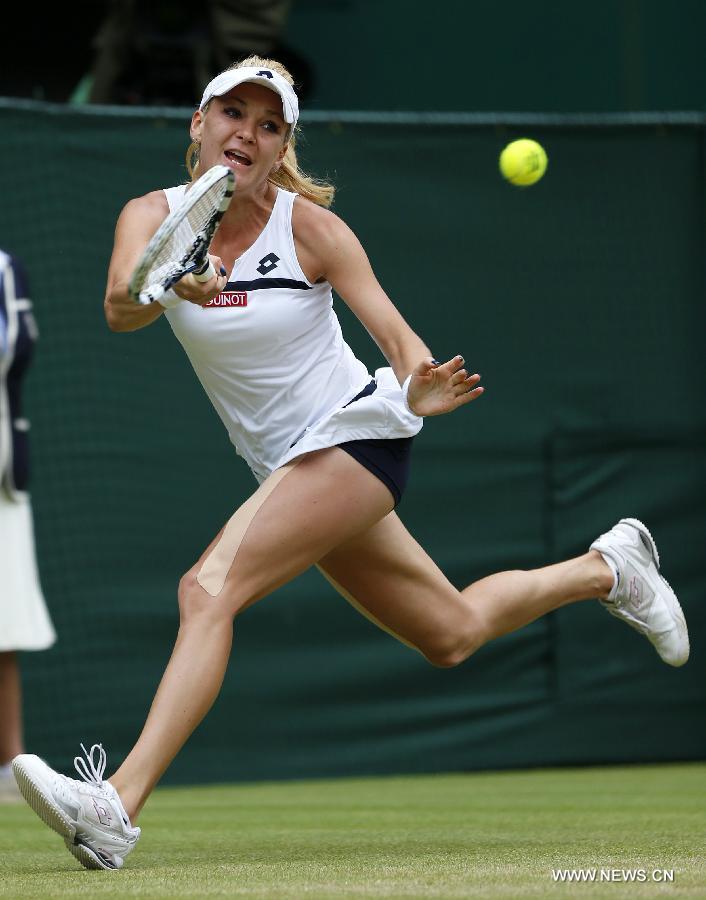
{"x":144,"y":298}
{"x":207,"y":274}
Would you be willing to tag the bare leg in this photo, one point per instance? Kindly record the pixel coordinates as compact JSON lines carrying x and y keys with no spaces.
{"x":509,"y":600}
{"x":387,"y":574}
{"x":10,"y":708}
{"x":333,"y":511}
{"x":324,"y":501}
{"x":188,"y":689}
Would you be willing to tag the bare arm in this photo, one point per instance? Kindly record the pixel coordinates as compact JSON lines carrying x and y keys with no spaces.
{"x":136,"y":224}
{"x":329,"y":250}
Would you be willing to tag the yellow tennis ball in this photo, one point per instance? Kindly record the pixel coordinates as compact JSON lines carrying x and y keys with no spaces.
{"x":523,"y":162}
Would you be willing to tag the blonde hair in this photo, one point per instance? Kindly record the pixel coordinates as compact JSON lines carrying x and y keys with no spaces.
{"x":288,"y":176}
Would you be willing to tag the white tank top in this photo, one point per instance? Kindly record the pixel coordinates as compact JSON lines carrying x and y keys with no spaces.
{"x":270,"y":354}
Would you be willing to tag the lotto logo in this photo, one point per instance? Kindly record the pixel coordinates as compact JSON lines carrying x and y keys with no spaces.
{"x":102,"y":812}
{"x":227,"y":299}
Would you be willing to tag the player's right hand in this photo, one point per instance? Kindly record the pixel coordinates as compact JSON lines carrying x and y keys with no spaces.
{"x":201,"y":292}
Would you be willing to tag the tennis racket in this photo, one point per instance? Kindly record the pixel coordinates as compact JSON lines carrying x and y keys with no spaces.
{"x":180,"y":244}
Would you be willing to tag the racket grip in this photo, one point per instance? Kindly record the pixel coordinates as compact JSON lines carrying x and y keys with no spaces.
{"x":144,"y":298}
{"x":207,"y":274}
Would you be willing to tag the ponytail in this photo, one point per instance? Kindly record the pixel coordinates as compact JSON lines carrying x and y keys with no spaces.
{"x":290,"y":177}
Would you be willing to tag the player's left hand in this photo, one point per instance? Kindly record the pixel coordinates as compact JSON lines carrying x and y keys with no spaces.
{"x":437,"y":388}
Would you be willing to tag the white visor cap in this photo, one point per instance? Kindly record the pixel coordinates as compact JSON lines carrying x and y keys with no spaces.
{"x":229,"y":79}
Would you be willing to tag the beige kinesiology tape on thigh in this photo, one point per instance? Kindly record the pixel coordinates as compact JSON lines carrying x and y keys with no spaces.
{"x":214,"y":571}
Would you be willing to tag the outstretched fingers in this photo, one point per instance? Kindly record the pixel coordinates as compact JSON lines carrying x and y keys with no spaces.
{"x":469,"y":390}
{"x":465,"y":387}
{"x":442,"y":387}
{"x":450,"y":368}
{"x":458,"y":377}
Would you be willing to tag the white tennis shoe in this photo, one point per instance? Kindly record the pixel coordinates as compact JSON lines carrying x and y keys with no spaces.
{"x":641,"y":597}
{"x":88,"y":814}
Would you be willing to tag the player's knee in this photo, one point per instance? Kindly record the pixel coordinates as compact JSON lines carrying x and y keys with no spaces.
{"x":194,"y":601}
{"x":446,"y":657}
{"x":452,"y":649}
{"x":188,"y":596}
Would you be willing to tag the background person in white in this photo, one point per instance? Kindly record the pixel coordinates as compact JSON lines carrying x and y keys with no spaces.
{"x":24,"y":620}
{"x":329,"y":509}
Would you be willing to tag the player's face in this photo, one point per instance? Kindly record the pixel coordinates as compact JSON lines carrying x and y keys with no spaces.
{"x":244,"y":130}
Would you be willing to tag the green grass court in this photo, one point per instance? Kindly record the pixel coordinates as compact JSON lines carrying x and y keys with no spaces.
{"x":477,"y":835}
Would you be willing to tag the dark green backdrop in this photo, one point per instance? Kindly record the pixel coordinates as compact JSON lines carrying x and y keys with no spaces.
{"x":579,"y":300}
{"x":558,"y":55}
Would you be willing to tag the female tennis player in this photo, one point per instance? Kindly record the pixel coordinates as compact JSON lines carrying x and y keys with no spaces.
{"x":329,"y":444}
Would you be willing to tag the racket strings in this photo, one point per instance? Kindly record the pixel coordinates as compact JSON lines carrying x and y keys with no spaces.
{"x":190,"y":238}
{"x":174,"y":255}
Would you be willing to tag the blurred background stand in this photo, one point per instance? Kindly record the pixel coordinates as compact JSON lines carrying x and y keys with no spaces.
{"x":163,"y":55}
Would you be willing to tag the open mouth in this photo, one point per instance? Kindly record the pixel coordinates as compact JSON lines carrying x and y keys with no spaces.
{"x":237,"y":157}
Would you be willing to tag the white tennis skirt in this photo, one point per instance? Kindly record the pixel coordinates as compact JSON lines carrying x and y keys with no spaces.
{"x":381,"y":415}
{"x":24,"y":618}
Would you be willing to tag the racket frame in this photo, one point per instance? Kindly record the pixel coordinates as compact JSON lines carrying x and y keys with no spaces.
{"x":195,"y":259}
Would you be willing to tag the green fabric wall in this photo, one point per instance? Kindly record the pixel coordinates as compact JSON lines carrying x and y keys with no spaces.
{"x":550,"y":55}
{"x":579,"y":300}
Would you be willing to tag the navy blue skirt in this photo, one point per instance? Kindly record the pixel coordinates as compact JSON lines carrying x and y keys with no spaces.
{"x":389,"y":459}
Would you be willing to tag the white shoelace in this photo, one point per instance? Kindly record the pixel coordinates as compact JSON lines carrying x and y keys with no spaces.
{"x":89,"y":769}
{"x":92,"y":771}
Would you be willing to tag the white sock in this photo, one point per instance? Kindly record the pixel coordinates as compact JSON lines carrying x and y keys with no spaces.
{"x":616,"y":575}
